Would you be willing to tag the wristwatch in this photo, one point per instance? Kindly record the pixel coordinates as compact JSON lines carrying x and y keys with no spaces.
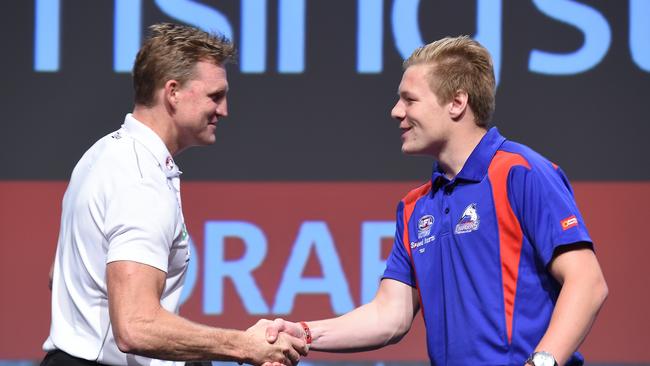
{"x":541,"y":358}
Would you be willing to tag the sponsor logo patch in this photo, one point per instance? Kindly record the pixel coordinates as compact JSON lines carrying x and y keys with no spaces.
{"x":569,"y":222}
{"x":469,"y":221}
{"x":169,"y":163}
{"x":424,"y":226}
{"x":420,"y":244}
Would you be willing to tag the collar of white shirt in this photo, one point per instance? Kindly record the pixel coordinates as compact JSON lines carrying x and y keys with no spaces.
{"x":152,"y":142}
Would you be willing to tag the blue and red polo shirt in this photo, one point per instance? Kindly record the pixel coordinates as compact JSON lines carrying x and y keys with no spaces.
{"x":477,"y":248}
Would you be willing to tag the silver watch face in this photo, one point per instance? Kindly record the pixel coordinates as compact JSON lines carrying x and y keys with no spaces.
{"x":543,"y":359}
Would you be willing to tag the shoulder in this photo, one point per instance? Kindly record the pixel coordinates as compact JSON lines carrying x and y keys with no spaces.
{"x":117,"y":166}
{"x":518,"y":168}
{"x":119,"y":156}
{"x":515,"y":154}
{"x":415,"y":194}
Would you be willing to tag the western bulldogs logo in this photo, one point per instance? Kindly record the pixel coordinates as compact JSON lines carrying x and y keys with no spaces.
{"x":424,"y":226}
{"x":469,"y":221}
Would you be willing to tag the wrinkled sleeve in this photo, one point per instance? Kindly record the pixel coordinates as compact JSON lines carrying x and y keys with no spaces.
{"x":545,"y":206}
{"x":139,"y":225}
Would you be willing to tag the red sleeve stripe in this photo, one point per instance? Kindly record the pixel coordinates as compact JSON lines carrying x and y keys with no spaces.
{"x":409,"y":205}
{"x":510,"y":234}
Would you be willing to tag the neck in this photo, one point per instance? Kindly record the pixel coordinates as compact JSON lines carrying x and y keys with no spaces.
{"x":455,"y":153}
{"x":160,"y":123}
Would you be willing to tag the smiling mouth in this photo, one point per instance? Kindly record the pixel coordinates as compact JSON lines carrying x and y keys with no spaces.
{"x":405,"y":133}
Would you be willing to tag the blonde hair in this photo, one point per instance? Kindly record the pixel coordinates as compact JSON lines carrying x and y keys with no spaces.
{"x":170,"y":53}
{"x":459,"y":63}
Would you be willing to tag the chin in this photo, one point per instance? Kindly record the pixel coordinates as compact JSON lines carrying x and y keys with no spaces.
{"x":409,"y":150}
{"x":208,"y":140}
{"x":415,"y":152}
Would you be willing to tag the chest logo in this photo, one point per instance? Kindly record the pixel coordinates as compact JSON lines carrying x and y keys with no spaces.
{"x":169,"y":163}
{"x":424,"y":226}
{"x":469,"y":221}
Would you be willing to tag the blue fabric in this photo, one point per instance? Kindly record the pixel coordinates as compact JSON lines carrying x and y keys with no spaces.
{"x":454,"y":241}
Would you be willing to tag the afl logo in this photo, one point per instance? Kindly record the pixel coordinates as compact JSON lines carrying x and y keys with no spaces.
{"x":424,"y":226}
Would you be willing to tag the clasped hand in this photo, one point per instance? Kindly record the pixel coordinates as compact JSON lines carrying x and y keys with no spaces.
{"x":276,"y":343}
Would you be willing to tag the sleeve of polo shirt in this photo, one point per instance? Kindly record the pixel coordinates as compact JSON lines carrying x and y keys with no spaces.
{"x":139,"y":225}
{"x":543,"y":201}
{"x":398,"y":264}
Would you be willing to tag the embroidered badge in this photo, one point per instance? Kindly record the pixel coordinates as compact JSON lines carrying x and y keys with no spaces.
{"x":469,"y":221}
{"x":424,"y":226}
{"x":569,"y":222}
{"x":169,"y":163}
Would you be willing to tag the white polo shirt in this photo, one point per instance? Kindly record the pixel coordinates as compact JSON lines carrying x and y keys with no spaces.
{"x":122,"y":203}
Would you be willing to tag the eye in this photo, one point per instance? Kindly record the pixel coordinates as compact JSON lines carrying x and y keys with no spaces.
{"x":217,"y":96}
{"x":407,"y":98}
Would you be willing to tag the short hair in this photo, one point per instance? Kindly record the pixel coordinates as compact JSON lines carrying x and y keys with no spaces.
{"x":459,"y":63}
{"x":170,"y":53}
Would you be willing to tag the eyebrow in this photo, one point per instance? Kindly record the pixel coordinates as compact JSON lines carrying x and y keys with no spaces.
{"x":405,"y":94}
{"x":219,"y":91}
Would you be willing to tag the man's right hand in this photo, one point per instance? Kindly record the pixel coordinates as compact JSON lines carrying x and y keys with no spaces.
{"x":285,"y":349}
{"x":280,"y":327}
{"x":283,"y":326}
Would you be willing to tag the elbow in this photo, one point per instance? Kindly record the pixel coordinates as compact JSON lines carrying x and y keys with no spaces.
{"x":598,"y":288}
{"x":402,"y":330}
{"x":126,"y":338}
{"x":595,"y":291}
{"x":602,"y":292}
{"x":397,"y":332}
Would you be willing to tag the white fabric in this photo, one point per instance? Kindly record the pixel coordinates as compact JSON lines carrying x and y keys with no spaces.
{"x":122,"y":203}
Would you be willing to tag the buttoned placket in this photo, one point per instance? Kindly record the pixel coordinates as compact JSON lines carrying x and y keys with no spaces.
{"x":176,"y":185}
{"x":173,"y":175}
{"x":444,"y":193}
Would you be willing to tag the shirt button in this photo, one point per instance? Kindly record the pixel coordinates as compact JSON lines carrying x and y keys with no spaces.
{"x":447,"y":210}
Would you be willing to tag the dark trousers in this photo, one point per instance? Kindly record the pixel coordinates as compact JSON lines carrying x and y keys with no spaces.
{"x":60,"y":358}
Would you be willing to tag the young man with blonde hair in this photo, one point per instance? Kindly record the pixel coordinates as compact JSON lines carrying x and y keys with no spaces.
{"x":123,"y":248}
{"x":492,"y":249}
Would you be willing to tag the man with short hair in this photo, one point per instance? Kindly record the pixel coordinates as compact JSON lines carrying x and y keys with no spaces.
{"x":492,"y":249}
{"x":123,"y":248}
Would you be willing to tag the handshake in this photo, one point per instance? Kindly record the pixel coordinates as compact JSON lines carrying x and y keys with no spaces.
{"x":276,"y":343}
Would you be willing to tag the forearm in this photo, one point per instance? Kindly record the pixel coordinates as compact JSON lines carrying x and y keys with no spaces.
{"x":385,"y":320}
{"x":359,"y":330}
{"x":165,"y":335}
{"x":142,"y":326}
{"x":577,"y":306}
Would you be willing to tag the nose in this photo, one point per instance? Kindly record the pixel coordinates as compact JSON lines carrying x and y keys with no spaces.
{"x":398,"y":110}
{"x":222,"y":107}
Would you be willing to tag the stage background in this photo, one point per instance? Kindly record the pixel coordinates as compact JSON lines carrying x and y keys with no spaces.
{"x":307,"y":168}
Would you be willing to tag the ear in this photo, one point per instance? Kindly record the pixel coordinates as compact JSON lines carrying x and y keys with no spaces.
{"x":170,"y":92}
{"x":458,"y":104}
